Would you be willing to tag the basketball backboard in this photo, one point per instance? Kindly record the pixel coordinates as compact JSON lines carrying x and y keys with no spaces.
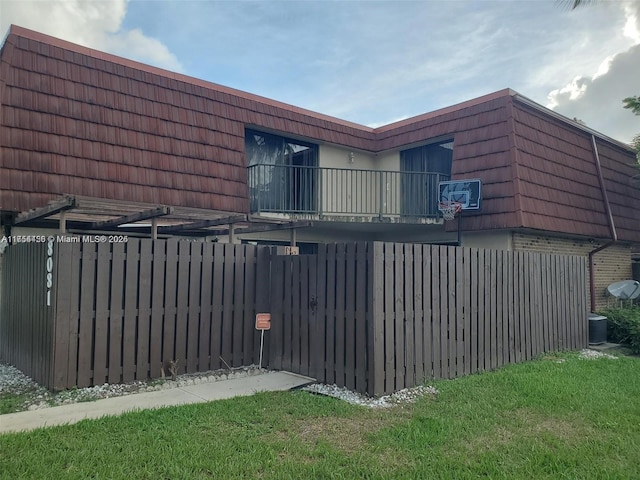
{"x":467,"y":192}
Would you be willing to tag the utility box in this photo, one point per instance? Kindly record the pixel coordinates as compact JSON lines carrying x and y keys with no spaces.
{"x":597,"y":329}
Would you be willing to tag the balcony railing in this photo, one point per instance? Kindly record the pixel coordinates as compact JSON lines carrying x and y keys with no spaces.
{"x":350,"y":192}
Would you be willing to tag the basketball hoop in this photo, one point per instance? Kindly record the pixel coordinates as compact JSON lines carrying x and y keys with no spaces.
{"x":449,"y":209}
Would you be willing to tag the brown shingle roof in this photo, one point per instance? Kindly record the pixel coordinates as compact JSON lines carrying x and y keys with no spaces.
{"x":79,"y":121}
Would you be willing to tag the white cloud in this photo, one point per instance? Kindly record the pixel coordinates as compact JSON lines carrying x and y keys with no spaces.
{"x":598,"y":101}
{"x":632,"y":26}
{"x":595,"y":97}
{"x":93,"y":23}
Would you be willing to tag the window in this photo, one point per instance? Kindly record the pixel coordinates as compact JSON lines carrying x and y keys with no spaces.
{"x":423,"y":167}
{"x":282,"y":173}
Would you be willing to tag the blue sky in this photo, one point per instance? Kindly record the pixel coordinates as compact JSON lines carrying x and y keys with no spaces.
{"x":374,"y":62}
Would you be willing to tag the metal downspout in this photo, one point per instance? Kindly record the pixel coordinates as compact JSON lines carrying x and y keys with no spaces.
{"x":612,"y":226}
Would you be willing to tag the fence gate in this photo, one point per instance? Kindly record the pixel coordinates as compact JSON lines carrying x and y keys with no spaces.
{"x":293,"y":336}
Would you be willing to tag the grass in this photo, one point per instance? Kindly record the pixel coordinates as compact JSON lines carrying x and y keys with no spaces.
{"x":558,"y":417}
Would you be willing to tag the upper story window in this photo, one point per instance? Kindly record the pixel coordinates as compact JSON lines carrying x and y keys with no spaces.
{"x":282,"y":173}
{"x":433,"y":158}
{"x":268,"y":149}
{"x":422,"y":169}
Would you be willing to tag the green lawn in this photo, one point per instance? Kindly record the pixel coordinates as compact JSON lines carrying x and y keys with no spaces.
{"x":560,"y":417}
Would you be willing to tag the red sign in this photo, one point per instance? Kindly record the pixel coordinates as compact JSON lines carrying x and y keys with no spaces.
{"x":263,"y":321}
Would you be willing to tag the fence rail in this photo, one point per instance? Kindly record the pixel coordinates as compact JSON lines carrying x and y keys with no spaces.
{"x":374,"y":317}
{"x":341,"y":191}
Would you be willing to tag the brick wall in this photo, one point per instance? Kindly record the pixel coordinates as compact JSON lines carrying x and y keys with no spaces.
{"x":610,"y":265}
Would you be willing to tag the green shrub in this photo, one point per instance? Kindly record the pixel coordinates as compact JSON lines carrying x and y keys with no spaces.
{"x":623,"y":326}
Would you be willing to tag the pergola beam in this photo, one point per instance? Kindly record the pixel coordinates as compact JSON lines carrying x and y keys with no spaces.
{"x":266,"y":228}
{"x":203,"y":224}
{"x":134,"y":217}
{"x":52,"y":208}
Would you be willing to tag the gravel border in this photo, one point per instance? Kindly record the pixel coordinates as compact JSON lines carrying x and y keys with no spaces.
{"x":13,"y":381}
{"x":407,"y":395}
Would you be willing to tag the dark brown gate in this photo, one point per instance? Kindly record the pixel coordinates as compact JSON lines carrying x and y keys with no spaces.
{"x":293,"y":301}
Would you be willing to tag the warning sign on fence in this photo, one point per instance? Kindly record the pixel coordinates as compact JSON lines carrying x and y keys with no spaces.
{"x":263,"y":321}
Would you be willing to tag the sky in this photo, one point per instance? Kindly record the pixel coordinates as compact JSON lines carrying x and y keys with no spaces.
{"x":374,"y":62}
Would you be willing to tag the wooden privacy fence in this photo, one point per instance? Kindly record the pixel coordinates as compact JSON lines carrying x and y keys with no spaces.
{"x":125,"y":311}
{"x":380,"y":317}
{"x":374,"y":317}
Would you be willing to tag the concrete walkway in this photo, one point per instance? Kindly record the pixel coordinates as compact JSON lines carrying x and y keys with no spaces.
{"x":200,"y":393}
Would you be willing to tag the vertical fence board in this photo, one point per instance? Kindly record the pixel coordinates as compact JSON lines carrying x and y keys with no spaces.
{"x":85,"y":331}
{"x":460,"y":313}
{"x":249,"y":302}
{"x":130,"y":311}
{"x":376,"y":340}
{"x":500,"y":302}
{"x":293,"y":340}
{"x":389,"y":320}
{"x":475,"y":283}
{"x":340,"y":324}
{"x":409,"y":319}
{"x":62,"y":291}
{"x":103,"y":277}
{"x":157,"y":310}
{"x":330,"y":305}
{"x":362,"y":285}
{"x":144,"y":310}
{"x":204,"y":328}
{"x":117,"y":313}
{"x":277,"y":307}
{"x":238,"y":305}
{"x":436,"y":282}
{"x":170,"y":310}
{"x":467,"y":286}
{"x":74,"y":312}
{"x":305,"y":313}
{"x":226,"y":338}
{"x":217,"y":306}
{"x":349,"y":316}
{"x":320,"y":341}
{"x":182,"y":306}
{"x":418,"y":311}
{"x":537,"y":304}
{"x":479,"y":341}
{"x":287,"y":313}
{"x":445,"y":311}
{"x":192,"y":317}
{"x":492,"y":325}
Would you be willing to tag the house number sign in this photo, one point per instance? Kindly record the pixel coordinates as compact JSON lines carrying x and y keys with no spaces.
{"x":49,"y":269}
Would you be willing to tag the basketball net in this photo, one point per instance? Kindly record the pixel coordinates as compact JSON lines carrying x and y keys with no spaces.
{"x":449,"y":209}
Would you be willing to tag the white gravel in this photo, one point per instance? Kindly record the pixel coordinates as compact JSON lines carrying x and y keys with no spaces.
{"x":13,"y":381}
{"x":588,"y":354}
{"x":408,"y":395}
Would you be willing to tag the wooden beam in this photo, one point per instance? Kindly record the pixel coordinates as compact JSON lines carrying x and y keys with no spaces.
{"x":66,"y":203}
{"x":154,"y":228}
{"x":134,"y":217}
{"x":266,"y":228}
{"x":63,"y":221}
{"x":203,"y":224}
{"x":232,"y":239}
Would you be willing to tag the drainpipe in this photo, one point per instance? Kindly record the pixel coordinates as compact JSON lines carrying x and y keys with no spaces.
{"x":612,"y":226}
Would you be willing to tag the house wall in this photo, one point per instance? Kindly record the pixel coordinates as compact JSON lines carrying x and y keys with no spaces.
{"x":612,"y":264}
{"x":362,"y":188}
{"x":499,"y":240}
